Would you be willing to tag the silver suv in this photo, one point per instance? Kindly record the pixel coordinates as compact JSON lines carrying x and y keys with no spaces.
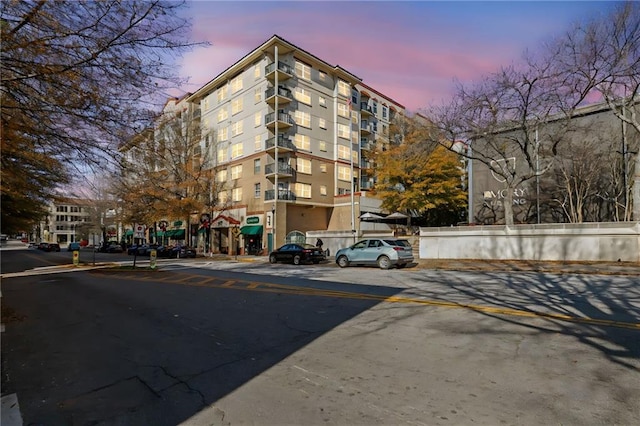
{"x":383,"y":252}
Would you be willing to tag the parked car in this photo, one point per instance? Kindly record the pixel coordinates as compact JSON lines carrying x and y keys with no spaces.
{"x":182,"y":251}
{"x":73,"y":246}
{"x":297,"y":254}
{"x":383,"y":252}
{"x":140,"y":249}
{"x":49,"y":246}
{"x":109,"y":248}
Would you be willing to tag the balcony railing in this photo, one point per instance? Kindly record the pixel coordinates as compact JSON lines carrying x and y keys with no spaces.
{"x":284,"y":70}
{"x":283,"y":94}
{"x":283,"y":118}
{"x":282,"y":142}
{"x":365,"y":108}
{"x":283,"y":194}
{"x":283,"y":169}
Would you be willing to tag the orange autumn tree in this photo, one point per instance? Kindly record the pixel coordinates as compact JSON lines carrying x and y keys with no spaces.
{"x":421,"y":177}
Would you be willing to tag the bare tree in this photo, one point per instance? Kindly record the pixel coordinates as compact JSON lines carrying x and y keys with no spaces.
{"x":77,"y":78}
{"x":602,"y":58}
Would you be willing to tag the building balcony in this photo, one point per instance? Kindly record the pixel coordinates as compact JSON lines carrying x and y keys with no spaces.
{"x":283,"y":171}
{"x":283,"y":194}
{"x":283,"y":143}
{"x":282,"y":119}
{"x":282,"y":95}
{"x":366,"y":185}
{"x":366,"y":128}
{"x":283,"y":71}
{"x":365,"y":109}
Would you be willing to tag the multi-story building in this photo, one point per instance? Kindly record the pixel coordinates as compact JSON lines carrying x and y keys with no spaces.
{"x":288,"y":135}
{"x":64,"y":223}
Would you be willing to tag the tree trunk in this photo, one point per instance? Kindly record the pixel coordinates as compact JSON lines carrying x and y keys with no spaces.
{"x":508,"y":206}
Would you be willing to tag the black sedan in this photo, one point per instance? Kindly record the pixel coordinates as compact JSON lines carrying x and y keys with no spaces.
{"x":297,"y":254}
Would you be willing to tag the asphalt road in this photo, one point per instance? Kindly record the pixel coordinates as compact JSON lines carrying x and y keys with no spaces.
{"x":227,"y":343}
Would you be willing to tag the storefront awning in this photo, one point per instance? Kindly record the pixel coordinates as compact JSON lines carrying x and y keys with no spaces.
{"x":128,"y":233}
{"x":251,"y":230}
{"x":176,"y":234}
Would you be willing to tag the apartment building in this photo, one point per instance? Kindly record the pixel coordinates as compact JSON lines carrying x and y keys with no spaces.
{"x":289,"y":135}
{"x":288,"y":138}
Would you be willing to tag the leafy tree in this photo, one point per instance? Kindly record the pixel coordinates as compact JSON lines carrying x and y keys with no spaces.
{"x":423,"y":177}
{"x":77,"y":78}
{"x":168,"y":172}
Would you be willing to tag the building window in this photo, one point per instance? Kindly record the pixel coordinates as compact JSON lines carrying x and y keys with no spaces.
{"x":257,"y":142}
{"x":223,"y":114}
{"x":223,"y":196}
{"x":322,"y":146}
{"x":223,"y":154}
{"x":375,"y":107}
{"x":303,"y":165}
{"x":322,"y":75}
{"x":222,"y":93}
{"x":221,"y":176}
{"x":236,"y":171}
{"x":343,"y":110}
{"x":257,"y":119}
{"x":303,"y":71}
{"x":236,"y":106}
{"x":323,"y":189}
{"x":236,"y":84}
{"x":257,"y":95}
{"x":344,"y":173}
{"x":236,"y":150}
{"x":257,"y":73}
{"x":236,"y":194}
{"x":322,"y":101}
{"x":302,"y":142}
{"x":344,"y":89}
{"x":257,"y":193}
{"x":385,"y":112}
{"x":302,"y":95}
{"x":322,"y":123}
{"x":303,"y":190}
{"x":236,"y":128}
{"x":223,"y":134}
{"x":256,"y":166}
{"x":343,"y":152}
{"x":344,"y":131}
{"x":323,"y":167}
{"x":303,"y":119}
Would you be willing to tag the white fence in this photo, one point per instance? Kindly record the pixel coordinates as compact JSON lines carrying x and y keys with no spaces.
{"x":611,"y":241}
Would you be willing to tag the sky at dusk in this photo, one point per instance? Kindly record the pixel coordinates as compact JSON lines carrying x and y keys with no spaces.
{"x":410,"y":51}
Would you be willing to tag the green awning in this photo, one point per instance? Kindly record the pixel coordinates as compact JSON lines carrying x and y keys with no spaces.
{"x":128,"y":233}
{"x":176,"y":234}
{"x":158,"y":234}
{"x":251,"y":230}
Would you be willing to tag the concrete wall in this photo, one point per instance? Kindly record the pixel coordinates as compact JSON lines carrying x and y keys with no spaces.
{"x":335,"y":240}
{"x":610,"y":241}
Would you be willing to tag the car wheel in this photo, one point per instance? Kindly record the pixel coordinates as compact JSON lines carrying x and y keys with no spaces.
{"x":296,"y":259}
{"x":272,"y":258}
{"x":384,"y":262}
{"x":342,"y":261}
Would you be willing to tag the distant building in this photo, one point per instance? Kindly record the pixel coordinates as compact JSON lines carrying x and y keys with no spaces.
{"x":587,"y":171}
{"x":65,"y":221}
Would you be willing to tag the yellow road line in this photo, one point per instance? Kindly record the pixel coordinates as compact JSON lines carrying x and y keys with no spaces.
{"x":308,"y":291}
